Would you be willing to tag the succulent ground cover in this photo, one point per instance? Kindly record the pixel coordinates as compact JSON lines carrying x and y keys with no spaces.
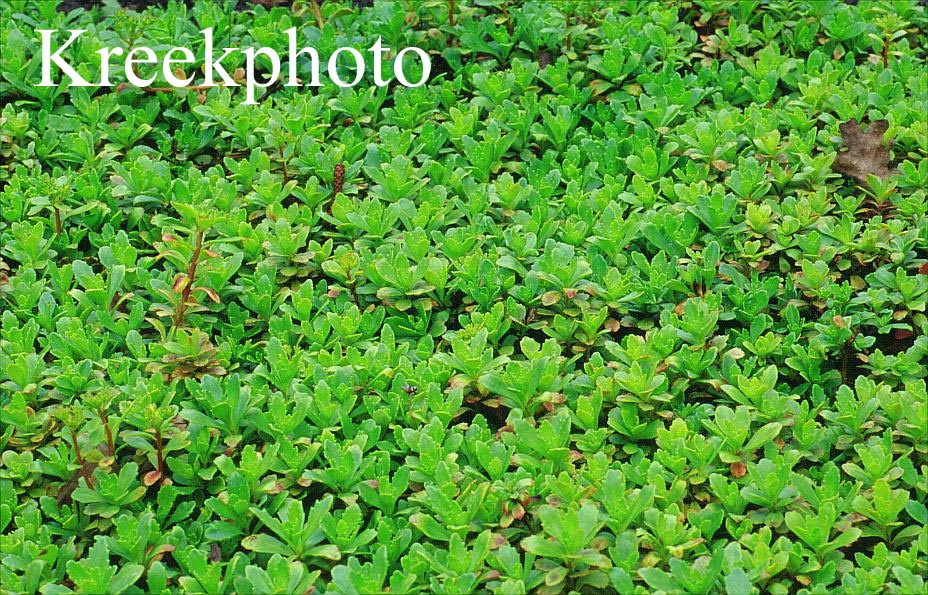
{"x":628,"y":297}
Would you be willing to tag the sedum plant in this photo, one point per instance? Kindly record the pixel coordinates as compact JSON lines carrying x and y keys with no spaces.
{"x":626,"y":297}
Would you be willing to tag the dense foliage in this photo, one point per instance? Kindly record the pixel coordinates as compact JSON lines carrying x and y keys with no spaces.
{"x":630,"y":296}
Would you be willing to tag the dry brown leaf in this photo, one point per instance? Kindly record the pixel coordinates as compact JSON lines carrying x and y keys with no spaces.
{"x":866,"y":153}
{"x":738,"y":469}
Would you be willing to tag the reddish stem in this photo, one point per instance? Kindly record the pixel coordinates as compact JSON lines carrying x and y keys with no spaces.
{"x":80,"y":461}
{"x":451,"y":12}
{"x":338,"y":178}
{"x":352,"y":285}
{"x":191,"y":275}
{"x":57,"y":221}
{"x":109,"y":434}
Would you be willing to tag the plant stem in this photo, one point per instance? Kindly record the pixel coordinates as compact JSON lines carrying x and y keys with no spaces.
{"x":169,"y":89}
{"x":191,"y":275}
{"x":57,"y":220}
{"x":158,"y":447}
{"x":338,"y":179}
{"x":109,"y":434}
{"x":317,"y":13}
{"x":451,"y":12}
{"x":886,"y":43}
{"x":354,"y":292}
{"x":80,"y":461}
{"x":569,"y":38}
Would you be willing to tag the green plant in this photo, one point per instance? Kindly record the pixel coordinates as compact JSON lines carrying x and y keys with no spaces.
{"x":625,"y":297}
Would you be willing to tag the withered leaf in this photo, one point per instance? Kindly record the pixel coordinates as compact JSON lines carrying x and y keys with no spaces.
{"x":866,"y":153}
{"x":738,"y":469}
{"x":151,"y":477}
